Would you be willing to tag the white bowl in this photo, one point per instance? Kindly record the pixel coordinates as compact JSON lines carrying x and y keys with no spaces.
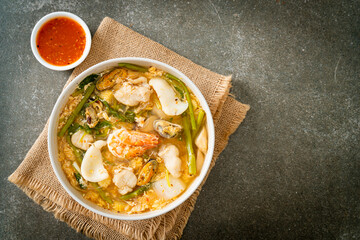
{"x":45,"y":19}
{"x":53,"y":148}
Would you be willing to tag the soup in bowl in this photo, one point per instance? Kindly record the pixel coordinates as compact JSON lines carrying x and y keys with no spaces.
{"x":131,"y":138}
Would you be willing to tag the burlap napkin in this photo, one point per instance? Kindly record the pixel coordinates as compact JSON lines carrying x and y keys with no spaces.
{"x":35,"y":175}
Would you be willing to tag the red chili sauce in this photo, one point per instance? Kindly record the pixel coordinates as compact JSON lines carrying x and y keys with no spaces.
{"x":61,"y":41}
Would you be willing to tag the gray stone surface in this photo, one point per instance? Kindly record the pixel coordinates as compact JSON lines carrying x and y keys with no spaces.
{"x":292,"y":168}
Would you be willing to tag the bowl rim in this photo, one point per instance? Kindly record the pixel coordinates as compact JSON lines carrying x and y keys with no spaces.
{"x":52,"y":139}
{"x":47,"y":18}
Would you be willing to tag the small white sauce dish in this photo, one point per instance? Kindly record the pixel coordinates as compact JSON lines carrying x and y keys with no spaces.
{"x":45,"y":19}
{"x":53,"y":147}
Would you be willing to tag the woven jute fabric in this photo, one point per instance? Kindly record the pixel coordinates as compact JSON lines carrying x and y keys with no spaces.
{"x":37,"y":179}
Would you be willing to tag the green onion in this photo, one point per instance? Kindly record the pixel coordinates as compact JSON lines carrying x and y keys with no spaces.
{"x":104,"y":133}
{"x":135,"y":193}
{"x":199,"y":122}
{"x":102,"y":193}
{"x":77,"y":152}
{"x":189,"y":146}
{"x":127,"y":117}
{"x":89,"y":79}
{"x":102,"y":124}
{"x":78,"y":108}
{"x":180,"y":92}
{"x":133,"y":67}
{"x":80,"y":180}
{"x":188,"y":99}
{"x":74,"y":128}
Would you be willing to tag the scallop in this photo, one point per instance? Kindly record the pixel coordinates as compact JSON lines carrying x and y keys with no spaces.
{"x":167,"y":129}
{"x":170,"y":102}
{"x":82,"y":140}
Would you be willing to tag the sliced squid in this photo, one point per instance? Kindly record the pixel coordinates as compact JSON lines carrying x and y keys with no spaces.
{"x":162,"y":189}
{"x":199,"y":160}
{"x":92,"y":167}
{"x":170,"y":154}
{"x":201,"y":140}
{"x":170,"y":103}
{"x":82,"y":140}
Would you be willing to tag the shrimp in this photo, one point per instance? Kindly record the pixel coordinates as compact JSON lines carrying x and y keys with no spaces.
{"x":128,"y":144}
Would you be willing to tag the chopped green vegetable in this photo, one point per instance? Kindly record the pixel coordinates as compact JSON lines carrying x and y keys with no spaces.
{"x":80,"y":180}
{"x":174,"y":84}
{"x":133,"y":67}
{"x":77,"y":152}
{"x":188,"y":99}
{"x":200,"y":118}
{"x":102,"y":193}
{"x":136,"y":193}
{"x":102,"y":124}
{"x":117,"y":106}
{"x":89,"y":79}
{"x":74,"y":128}
{"x":103,"y":134}
{"x":130,"y":116}
{"x":189,"y":146}
{"x":77,"y":92}
{"x":180,"y":137}
{"x":179,"y":91}
{"x":78,"y":108}
{"x":199,"y":122}
{"x":127,"y":117}
{"x":86,"y":128}
{"x":102,"y":129}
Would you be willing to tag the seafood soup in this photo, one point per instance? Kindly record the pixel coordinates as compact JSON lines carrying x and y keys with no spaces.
{"x":132,"y":139}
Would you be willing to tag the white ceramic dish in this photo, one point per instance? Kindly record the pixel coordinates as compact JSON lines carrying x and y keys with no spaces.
{"x":48,"y":17}
{"x":53,"y":149}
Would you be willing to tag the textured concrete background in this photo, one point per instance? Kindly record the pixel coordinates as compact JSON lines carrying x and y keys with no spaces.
{"x":290,"y":171}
